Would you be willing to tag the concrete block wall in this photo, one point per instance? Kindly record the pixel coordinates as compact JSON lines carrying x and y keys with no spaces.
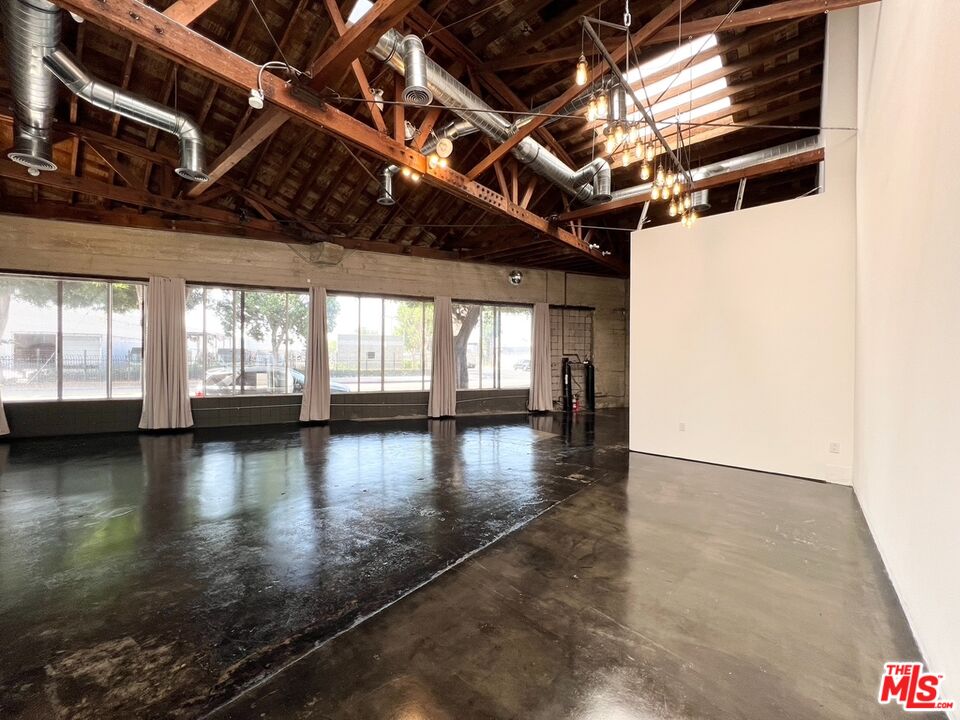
{"x":571,"y":335}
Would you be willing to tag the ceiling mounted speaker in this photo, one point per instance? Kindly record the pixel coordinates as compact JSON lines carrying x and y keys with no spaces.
{"x":444,"y":147}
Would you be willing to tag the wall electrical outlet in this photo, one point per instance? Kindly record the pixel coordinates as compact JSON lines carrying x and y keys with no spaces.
{"x":683,"y":427}
{"x":835,"y":448}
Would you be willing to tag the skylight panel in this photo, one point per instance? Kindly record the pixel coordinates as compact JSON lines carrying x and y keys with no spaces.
{"x":360,"y":8}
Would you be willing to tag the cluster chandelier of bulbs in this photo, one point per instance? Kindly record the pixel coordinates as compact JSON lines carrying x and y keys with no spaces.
{"x":628,"y":137}
{"x":670,"y":186}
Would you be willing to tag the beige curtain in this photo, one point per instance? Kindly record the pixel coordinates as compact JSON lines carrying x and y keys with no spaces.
{"x":443,"y":381}
{"x":316,"y":388}
{"x":541,"y":391}
{"x":166,"y":391}
{"x":4,"y":428}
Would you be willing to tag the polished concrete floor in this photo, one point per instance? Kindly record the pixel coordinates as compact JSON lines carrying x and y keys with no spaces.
{"x":228,"y":573}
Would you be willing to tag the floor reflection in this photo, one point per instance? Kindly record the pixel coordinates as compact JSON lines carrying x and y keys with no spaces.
{"x":227,"y":551}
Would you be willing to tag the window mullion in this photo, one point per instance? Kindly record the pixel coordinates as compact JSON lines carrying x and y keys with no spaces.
{"x":59,"y":349}
{"x":109,"y":340}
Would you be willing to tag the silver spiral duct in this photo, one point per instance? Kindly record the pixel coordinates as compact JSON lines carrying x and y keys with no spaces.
{"x":386,"y":185}
{"x":741,"y":162}
{"x":109,"y":97}
{"x":700,"y":201}
{"x":32,"y":29}
{"x":416,"y":89}
{"x":583,"y":184}
{"x":32,"y":34}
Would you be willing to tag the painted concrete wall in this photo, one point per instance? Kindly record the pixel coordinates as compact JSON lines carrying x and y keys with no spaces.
{"x":742,"y":328}
{"x":34,"y":245}
{"x":908,"y":313}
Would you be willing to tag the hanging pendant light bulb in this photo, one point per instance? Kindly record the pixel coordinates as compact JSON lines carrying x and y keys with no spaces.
{"x":645,"y":171}
{"x":693,"y":216}
{"x":661,"y":177}
{"x":685,"y":220}
{"x":676,"y":189}
{"x":433,"y":160}
{"x":633,"y":135}
{"x":649,"y":153}
{"x":602,"y":106}
{"x":673,"y":208}
{"x":686,"y":202}
{"x":670,"y":179}
{"x":592,"y":109}
{"x":637,"y":152}
{"x":582,"y":70}
{"x":655,"y":193}
{"x":626,"y":158}
{"x":618,"y":133}
{"x":610,"y":145}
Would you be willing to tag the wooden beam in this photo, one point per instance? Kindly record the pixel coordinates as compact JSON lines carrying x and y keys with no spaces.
{"x":638,"y":38}
{"x":257,"y":131}
{"x":150,"y":27}
{"x":186,"y":11}
{"x":119,"y":167}
{"x":785,"y":10}
{"x":341,"y":27}
{"x":130,"y":196}
{"x":811,"y":157}
{"x":331,"y":66}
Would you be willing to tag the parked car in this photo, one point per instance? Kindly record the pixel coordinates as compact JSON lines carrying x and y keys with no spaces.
{"x":255,"y":379}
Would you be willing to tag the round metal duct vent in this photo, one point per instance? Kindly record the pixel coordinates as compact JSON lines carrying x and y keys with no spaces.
{"x":192,"y":175}
{"x":32,"y":161}
{"x":417,"y":95}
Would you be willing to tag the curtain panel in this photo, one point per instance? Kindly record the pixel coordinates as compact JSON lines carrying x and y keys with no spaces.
{"x":316,"y":388}
{"x":166,"y":390}
{"x":541,"y":390}
{"x":443,"y":385}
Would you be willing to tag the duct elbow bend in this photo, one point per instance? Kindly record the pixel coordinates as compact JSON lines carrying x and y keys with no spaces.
{"x":601,"y":182}
{"x":192,"y":155}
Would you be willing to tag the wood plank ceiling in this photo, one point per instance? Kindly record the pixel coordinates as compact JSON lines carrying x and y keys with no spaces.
{"x":274,"y":178}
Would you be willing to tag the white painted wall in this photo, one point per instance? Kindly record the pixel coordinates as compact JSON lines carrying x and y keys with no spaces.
{"x":742,"y":327}
{"x":908,"y":313}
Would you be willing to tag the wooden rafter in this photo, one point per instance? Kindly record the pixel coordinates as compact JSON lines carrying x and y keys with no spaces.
{"x":331,"y":66}
{"x":777,"y":12}
{"x":640,"y":37}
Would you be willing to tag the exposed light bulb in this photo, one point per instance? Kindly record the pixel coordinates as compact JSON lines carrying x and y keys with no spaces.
{"x":673,"y":208}
{"x":433,"y":160}
{"x":670,"y":179}
{"x":618,"y":134}
{"x":648,"y":153}
{"x":582,"y":70}
{"x":611,"y":145}
{"x":634,"y":134}
{"x":693,"y":216}
{"x":414,"y":176}
{"x":686,"y":202}
{"x":443,"y":162}
{"x":625,"y":158}
{"x":637,"y":152}
{"x":405,"y":171}
{"x":655,"y":193}
{"x":592,"y":110}
{"x":645,"y":171}
{"x":684,"y":220}
{"x":676,"y":188}
{"x":602,"y":107}
{"x":661,"y":177}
